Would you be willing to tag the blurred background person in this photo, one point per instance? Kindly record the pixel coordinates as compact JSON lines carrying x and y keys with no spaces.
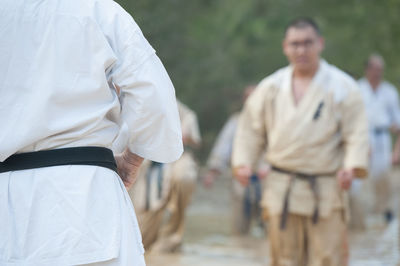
{"x":212,"y":49}
{"x":245,"y":199}
{"x":165,"y":190}
{"x":302,"y":115}
{"x":382,"y":105}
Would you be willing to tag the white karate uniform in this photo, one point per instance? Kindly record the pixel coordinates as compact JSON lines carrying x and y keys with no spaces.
{"x":56,"y":61}
{"x":220,"y":156}
{"x":383,"y":111}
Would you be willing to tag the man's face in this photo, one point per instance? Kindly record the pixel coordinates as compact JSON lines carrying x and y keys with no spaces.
{"x":374,"y":71}
{"x":302,"y":47}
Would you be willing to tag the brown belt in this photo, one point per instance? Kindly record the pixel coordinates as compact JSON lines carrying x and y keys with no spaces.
{"x":312,"y":180}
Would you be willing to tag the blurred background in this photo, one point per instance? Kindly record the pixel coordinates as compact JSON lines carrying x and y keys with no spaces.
{"x":212,"y":49}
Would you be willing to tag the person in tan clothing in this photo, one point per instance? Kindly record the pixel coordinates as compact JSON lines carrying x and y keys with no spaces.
{"x":310,"y":119}
{"x":166,"y":190}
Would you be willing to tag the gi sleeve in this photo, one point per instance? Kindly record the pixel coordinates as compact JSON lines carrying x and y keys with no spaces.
{"x":354,"y":128}
{"x":195,"y":130}
{"x":148,"y":103}
{"x":190,"y":126}
{"x":394,"y":108}
{"x":250,"y":139}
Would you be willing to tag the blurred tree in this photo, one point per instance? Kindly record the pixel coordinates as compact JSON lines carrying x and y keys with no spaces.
{"x":213,"y":48}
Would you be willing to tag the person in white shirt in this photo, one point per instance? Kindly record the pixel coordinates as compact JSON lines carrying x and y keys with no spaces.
{"x":245,"y":200}
{"x":61,"y":199}
{"x":382,"y":105}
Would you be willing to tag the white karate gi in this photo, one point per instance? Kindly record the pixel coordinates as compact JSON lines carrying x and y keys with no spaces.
{"x":383,"y":112}
{"x":56,"y":61}
{"x":220,"y":159}
{"x":221,"y":153}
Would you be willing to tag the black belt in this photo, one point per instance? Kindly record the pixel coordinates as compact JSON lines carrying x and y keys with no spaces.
{"x":312,"y":180}
{"x":97,"y":156}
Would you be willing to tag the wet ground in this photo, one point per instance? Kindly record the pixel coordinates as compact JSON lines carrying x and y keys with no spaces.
{"x":208,"y":239}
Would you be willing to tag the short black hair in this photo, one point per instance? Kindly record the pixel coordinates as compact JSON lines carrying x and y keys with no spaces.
{"x":303,"y":22}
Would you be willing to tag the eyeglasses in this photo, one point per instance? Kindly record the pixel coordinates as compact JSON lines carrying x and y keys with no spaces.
{"x":306,"y":44}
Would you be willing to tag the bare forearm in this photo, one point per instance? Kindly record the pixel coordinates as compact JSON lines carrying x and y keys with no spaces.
{"x":128,"y":164}
{"x":132,"y":158}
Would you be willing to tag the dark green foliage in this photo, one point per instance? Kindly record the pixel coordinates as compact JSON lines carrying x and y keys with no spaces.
{"x":213,"y":48}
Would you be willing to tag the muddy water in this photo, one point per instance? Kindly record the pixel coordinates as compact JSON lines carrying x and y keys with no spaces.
{"x":208,"y":239}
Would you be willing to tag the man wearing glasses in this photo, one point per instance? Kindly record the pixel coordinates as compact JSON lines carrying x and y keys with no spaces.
{"x":310,"y":119}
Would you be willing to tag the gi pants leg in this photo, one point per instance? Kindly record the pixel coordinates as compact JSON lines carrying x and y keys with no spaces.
{"x":357,"y":212}
{"x":382,"y":189}
{"x":240,"y":223}
{"x":150,"y":223}
{"x":183,"y":184}
{"x":303,"y":243}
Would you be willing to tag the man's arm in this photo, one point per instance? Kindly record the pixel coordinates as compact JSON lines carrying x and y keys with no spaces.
{"x":128,"y":165}
{"x":149,"y":109}
{"x":147,"y":96}
{"x":148,"y":102}
{"x":250,"y":139}
{"x":394,"y":110}
{"x":396,"y":149}
{"x":190,"y":127}
{"x":220,"y":156}
{"x":354,"y":129}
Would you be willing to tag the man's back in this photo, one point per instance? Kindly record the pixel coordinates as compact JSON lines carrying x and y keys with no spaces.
{"x":67,"y":52}
{"x":57,"y":59}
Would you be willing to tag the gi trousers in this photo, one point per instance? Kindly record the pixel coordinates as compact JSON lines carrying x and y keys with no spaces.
{"x":303,"y":243}
{"x":242,"y":218}
{"x":163,"y":229}
{"x":381,"y":188}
